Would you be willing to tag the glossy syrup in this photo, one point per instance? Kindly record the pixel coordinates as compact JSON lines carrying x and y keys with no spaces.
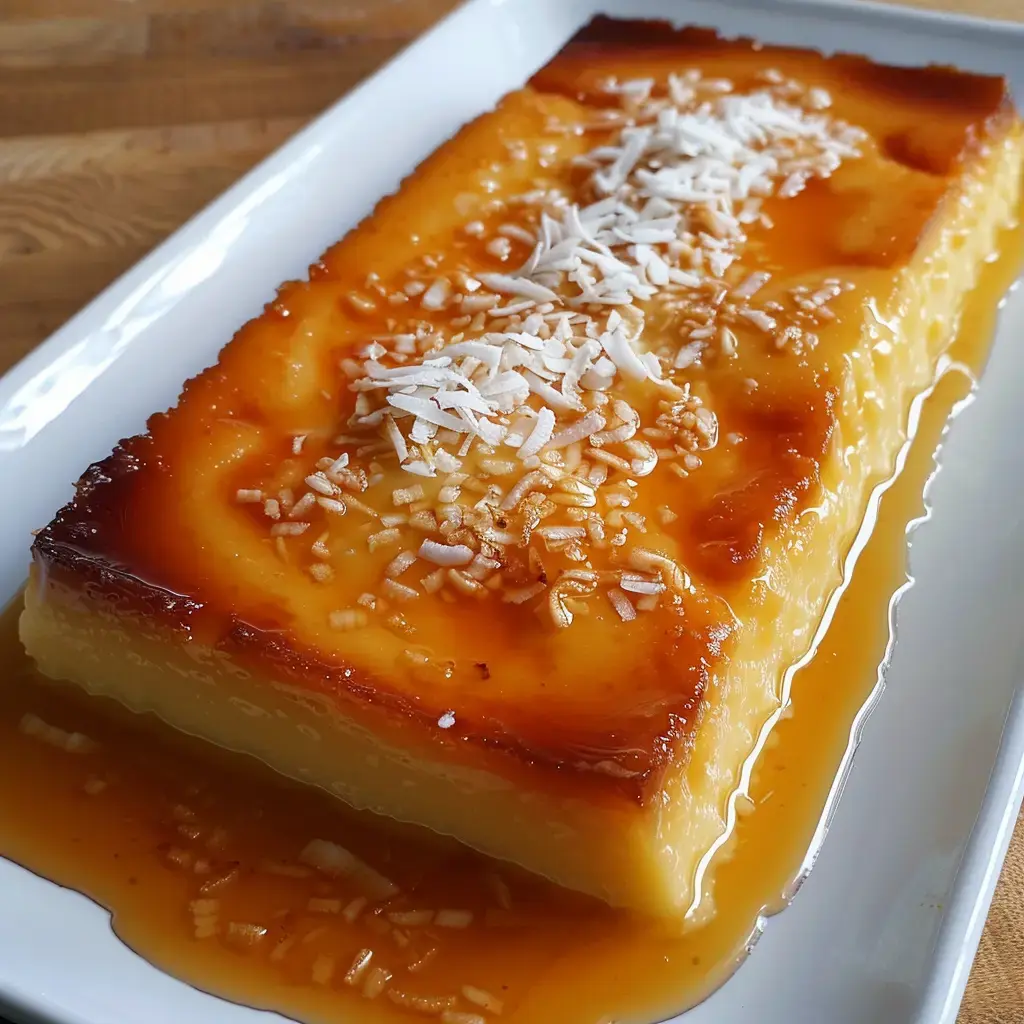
{"x":153,"y":820}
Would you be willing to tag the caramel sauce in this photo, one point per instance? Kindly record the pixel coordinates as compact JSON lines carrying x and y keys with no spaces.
{"x":152,"y":820}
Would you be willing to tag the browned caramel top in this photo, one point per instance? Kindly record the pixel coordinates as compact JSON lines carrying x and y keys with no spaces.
{"x":597,"y":605}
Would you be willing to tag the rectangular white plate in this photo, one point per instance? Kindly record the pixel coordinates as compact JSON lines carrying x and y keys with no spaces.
{"x":887,"y":924}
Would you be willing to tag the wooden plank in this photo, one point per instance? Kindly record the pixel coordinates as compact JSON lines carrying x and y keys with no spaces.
{"x":995,"y":990}
{"x":251,"y":29}
{"x":366,"y":17}
{"x":154,"y":90}
{"x":76,"y":211}
{"x":53,"y":156}
{"x":67,"y":41}
{"x":128,"y":198}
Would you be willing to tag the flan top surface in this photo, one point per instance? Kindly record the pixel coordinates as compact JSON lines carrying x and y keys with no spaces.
{"x":501,"y":473}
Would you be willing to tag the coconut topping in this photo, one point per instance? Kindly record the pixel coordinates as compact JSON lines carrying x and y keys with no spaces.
{"x":525,"y":435}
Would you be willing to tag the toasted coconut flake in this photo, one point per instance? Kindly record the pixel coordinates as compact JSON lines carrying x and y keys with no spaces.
{"x":561,"y":534}
{"x":402,"y":561}
{"x":629,"y":425}
{"x":751,"y":285}
{"x":360,"y":963}
{"x":533,"y":480}
{"x":221,"y":881}
{"x":634,"y":584}
{"x":654,"y":561}
{"x":453,"y":918}
{"x":376,"y":982}
{"x":636,"y":520}
{"x":437,"y":295}
{"x":433,"y":582}
{"x":245,"y":933}
{"x":321,"y":572}
{"x":328,"y":857}
{"x":399,"y":591}
{"x":319,"y":483}
{"x":540,"y":435}
{"x":407,"y":495}
{"x":760,"y":319}
{"x":383,"y":538}
{"x":348,"y":619}
{"x":303,"y":506}
{"x":445,"y":554}
{"x":336,"y":506}
{"x":482,"y":998}
{"x":609,"y":459}
{"x":424,"y":520}
{"x":586,"y":425}
{"x":558,"y":598}
{"x":337,"y":862}
{"x":622,"y":605}
{"x":422,"y":1004}
{"x":643,"y":459}
{"x":481,"y":567}
{"x":465,"y":584}
{"x":288,"y":529}
{"x":72,"y":742}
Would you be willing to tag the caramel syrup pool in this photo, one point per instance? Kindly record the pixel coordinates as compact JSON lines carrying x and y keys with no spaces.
{"x":194,"y":851}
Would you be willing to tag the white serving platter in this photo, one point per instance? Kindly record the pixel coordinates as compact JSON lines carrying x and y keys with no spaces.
{"x":885,"y":928}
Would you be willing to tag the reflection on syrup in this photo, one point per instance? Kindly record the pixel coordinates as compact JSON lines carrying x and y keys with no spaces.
{"x":152,"y":821}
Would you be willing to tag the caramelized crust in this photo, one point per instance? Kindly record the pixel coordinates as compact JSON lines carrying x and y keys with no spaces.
{"x":157,"y":535}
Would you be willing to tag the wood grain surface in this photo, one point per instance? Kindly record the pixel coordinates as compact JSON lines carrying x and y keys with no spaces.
{"x":121,"y":118}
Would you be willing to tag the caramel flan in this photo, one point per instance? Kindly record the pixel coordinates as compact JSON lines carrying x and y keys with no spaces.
{"x":511,"y":519}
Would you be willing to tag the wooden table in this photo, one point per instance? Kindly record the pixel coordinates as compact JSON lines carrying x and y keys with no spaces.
{"x":120,"y":118}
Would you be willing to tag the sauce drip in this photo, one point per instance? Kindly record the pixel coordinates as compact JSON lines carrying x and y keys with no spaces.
{"x":153,"y":820}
